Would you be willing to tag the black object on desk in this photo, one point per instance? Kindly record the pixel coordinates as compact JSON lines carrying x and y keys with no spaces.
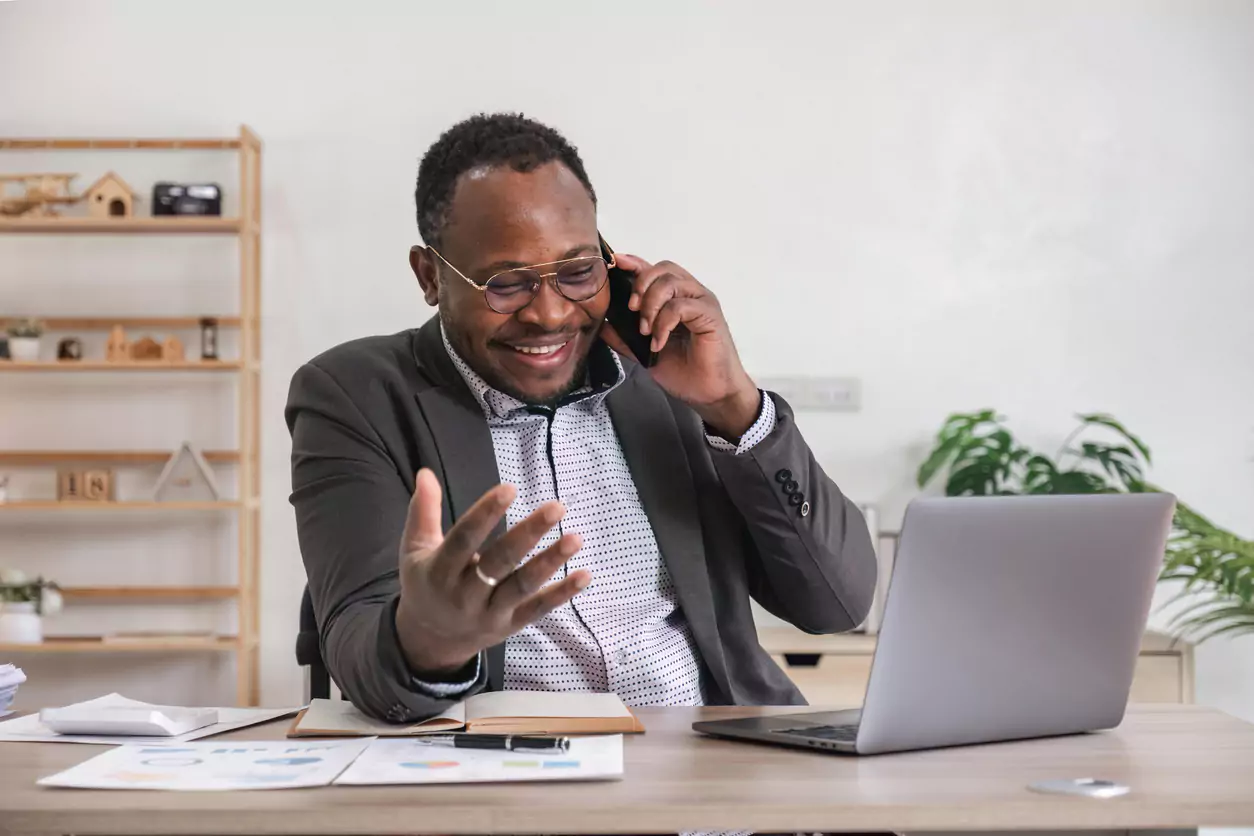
{"x":502,"y":742}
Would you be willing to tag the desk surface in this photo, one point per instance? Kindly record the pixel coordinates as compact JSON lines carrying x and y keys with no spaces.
{"x":1187,"y":766}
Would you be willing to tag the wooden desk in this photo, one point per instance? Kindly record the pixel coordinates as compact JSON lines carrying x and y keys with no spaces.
{"x":1187,"y":766}
{"x":833,"y":670}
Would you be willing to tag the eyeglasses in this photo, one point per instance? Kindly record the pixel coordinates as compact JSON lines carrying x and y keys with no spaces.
{"x":507,"y":292}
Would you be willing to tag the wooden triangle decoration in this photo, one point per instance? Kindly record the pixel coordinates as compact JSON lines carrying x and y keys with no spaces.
{"x":186,"y":478}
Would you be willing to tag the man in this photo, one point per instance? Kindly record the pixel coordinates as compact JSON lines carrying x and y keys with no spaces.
{"x":503,"y":498}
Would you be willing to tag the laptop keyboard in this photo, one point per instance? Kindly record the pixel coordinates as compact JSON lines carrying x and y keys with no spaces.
{"x":844,"y":734}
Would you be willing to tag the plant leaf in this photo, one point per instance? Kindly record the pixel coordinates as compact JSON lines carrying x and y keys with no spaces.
{"x":1104,"y":420}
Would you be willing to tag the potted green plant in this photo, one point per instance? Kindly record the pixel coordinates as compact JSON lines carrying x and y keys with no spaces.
{"x":24,"y":339}
{"x":979,"y":456}
{"x":23,"y":603}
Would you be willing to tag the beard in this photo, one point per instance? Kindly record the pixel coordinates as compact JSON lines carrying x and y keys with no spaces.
{"x":498,"y":380}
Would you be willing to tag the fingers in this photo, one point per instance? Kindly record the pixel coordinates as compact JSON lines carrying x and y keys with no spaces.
{"x":693,"y":314}
{"x":529,"y":579}
{"x":466,"y":536}
{"x":423,"y":527}
{"x":500,"y":558}
{"x":543,"y":603}
{"x":657,"y":286}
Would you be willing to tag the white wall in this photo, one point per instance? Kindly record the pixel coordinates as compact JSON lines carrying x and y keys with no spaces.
{"x":1041,"y":206}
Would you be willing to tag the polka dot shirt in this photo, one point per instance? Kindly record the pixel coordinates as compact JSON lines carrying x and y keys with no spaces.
{"x":626,"y":632}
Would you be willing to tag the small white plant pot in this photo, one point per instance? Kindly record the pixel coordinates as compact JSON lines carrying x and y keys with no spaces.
{"x":24,"y":349}
{"x":20,"y":624}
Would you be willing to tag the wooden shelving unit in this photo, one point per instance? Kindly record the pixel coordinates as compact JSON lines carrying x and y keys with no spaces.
{"x":29,"y":457}
{"x":121,"y":226}
{"x":246,"y":506}
{"x":171,"y":645}
{"x":132,"y":366}
{"x":111,"y":594}
{"x":107,"y":507}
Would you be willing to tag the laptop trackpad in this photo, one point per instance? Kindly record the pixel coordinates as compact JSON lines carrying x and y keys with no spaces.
{"x":782,"y":722}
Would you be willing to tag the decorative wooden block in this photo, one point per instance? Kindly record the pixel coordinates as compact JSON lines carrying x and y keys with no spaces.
{"x":85,"y":485}
{"x":117,"y":350}
{"x":172,"y":350}
{"x":146,"y":348}
{"x":98,"y":485}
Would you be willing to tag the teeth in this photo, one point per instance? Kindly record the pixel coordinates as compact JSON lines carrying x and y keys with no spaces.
{"x":538,"y":349}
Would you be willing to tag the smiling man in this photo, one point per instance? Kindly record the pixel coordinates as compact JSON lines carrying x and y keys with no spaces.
{"x":505,"y":498}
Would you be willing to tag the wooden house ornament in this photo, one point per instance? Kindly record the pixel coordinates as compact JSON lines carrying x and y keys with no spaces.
{"x":172,"y":350}
{"x":146,"y":348}
{"x":186,"y":478}
{"x":110,"y":197}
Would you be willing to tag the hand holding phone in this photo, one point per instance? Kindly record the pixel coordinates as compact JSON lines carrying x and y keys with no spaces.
{"x":624,"y":320}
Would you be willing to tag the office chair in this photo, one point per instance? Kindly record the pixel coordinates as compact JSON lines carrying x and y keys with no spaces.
{"x":309,"y":652}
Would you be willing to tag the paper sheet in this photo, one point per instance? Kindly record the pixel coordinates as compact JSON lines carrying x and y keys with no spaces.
{"x":224,"y":765}
{"x":28,"y":729}
{"x":410,"y":761}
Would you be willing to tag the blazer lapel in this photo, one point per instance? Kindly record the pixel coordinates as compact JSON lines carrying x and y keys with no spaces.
{"x":655,"y":454}
{"x":463,"y":446}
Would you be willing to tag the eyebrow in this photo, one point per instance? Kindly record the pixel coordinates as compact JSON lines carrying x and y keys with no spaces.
{"x":574,"y":252}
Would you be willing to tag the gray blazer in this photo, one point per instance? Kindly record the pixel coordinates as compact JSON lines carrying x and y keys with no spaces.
{"x":365,"y":416}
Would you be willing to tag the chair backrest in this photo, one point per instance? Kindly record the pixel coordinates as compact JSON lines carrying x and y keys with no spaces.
{"x":309,"y":652}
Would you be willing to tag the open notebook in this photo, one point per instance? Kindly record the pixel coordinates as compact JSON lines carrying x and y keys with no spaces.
{"x":492,"y":712}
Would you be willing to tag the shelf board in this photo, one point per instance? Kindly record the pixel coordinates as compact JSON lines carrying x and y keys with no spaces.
{"x":148,"y":593}
{"x":100,"y":645}
{"x":122,"y":226}
{"x":132,"y":366}
{"x":121,"y":457}
{"x":119,"y":144}
{"x":83,"y":505}
{"x":104,"y":323}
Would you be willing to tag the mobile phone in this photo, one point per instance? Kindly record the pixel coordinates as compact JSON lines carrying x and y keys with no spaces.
{"x":626,"y":321}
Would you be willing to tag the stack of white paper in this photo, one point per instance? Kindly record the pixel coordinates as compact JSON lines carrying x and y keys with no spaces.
{"x":225,"y":765}
{"x":10,"y":678}
{"x":271,"y":764}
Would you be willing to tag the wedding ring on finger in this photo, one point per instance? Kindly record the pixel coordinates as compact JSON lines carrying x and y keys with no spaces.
{"x":490,"y":581}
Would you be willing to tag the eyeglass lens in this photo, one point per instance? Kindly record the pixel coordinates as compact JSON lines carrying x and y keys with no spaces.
{"x":578,"y":279}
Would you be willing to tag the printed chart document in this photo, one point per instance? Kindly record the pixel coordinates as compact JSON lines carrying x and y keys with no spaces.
{"x":492,"y":712}
{"x":28,"y":729}
{"x":411,"y":761}
{"x":226,"y":765}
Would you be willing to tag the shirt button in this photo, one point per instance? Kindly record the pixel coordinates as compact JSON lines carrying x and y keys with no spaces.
{"x":784,"y":475}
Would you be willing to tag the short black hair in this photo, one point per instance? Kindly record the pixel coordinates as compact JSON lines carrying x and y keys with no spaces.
{"x":485,"y":140}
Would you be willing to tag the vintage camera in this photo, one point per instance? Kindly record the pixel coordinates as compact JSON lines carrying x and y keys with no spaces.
{"x":186,"y":199}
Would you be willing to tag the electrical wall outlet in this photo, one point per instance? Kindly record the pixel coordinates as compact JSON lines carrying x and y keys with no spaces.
{"x":817,"y":394}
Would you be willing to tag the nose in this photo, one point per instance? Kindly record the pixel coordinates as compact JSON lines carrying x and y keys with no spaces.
{"x":549,"y":310}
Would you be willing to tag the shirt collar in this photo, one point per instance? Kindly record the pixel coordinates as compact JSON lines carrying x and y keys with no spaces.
{"x":605,"y":374}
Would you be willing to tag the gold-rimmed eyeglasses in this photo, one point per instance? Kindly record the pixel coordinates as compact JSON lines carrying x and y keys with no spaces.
{"x":577,"y":279}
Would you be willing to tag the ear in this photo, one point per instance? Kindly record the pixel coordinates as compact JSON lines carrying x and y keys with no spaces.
{"x":423,"y":264}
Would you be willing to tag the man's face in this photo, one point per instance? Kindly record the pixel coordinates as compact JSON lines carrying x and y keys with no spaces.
{"x":501,"y":219}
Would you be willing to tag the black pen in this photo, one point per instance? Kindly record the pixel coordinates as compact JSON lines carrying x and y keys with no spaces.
{"x":503,"y":742}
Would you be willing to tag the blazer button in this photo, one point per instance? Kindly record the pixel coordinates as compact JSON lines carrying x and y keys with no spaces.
{"x":795,"y":499}
{"x":783,"y":476}
{"x":791,"y":487}
{"x":805,"y":509}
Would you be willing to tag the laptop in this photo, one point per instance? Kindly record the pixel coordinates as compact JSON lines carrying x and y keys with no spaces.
{"x":1007,"y":618}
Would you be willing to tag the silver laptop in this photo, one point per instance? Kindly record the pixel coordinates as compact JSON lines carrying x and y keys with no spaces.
{"x":1006,"y":618}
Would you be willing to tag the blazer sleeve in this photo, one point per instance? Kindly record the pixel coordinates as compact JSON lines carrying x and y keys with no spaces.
{"x":351,"y":501}
{"x":814,"y":565}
